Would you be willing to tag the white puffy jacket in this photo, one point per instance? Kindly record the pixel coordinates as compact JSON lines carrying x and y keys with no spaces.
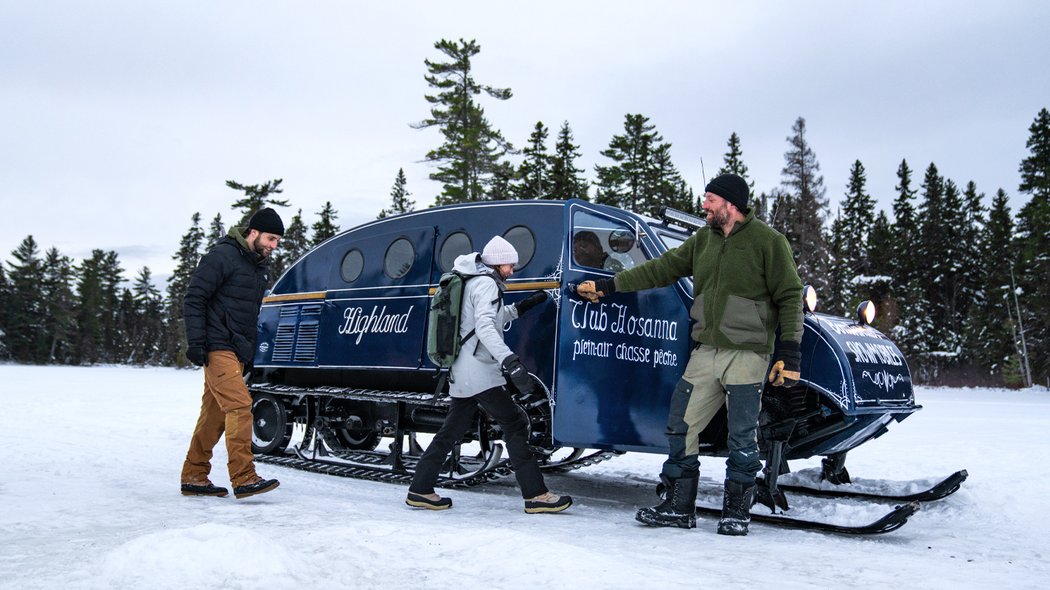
{"x":478,"y":366}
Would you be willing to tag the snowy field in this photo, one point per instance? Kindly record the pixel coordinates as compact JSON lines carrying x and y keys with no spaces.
{"x":89,"y":498}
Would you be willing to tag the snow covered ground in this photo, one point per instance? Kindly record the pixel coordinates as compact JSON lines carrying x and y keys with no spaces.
{"x":89,"y":499}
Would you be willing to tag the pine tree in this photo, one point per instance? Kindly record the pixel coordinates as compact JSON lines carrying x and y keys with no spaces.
{"x":5,"y":299}
{"x":800,"y":215}
{"x":667,"y":185}
{"x":216,"y":231}
{"x":98,"y":308}
{"x":325,"y":226}
{"x":641,"y":177}
{"x":147,"y":331}
{"x":399,"y":197}
{"x":504,"y":178}
{"x":472,"y":148}
{"x":59,"y":305}
{"x":1033,"y":240}
{"x":566,"y":179}
{"x":858,"y":211}
{"x":256,"y":197}
{"x":880,"y":261}
{"x":838,"y":288}
{"x":992,"y":323}
{"x":733,"y":163}
{"x":186,"y":260}
{"x":534,"y":172}
{"x":972,"y":266}
{"x":293,"y":246}
{"x":26,"y":338}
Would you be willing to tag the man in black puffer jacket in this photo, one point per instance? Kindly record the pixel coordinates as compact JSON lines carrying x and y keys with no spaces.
{"x":221,"y":310}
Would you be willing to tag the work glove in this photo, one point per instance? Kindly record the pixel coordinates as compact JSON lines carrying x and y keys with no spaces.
{"x":518,"y":375}
{"x":197,"y":356}
{"x":594,"y":290}
{"x":531,"y":301}
{"x":785,"y":371}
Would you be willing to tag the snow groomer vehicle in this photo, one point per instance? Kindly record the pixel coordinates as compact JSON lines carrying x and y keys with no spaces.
{"x":341,"y":361}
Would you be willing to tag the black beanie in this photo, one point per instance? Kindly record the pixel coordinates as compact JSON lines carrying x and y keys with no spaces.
{"x":267,"y":220}
{"x":731,"y":188}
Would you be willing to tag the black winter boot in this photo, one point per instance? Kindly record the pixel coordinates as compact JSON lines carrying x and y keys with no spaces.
{"x":736,"y":508}
{"x":678,"y":508}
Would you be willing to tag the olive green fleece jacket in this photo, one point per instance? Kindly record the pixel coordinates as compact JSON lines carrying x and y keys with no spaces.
{"x":744,"y":284}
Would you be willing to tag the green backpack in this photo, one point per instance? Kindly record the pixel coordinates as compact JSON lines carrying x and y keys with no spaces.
{"x":443,"y":341}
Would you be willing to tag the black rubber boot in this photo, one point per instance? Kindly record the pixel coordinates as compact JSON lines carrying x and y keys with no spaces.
{"x":257,"y":486}
{"x":736,"y":508}
{"x":678,"y":508}
{"x":203,"y":489}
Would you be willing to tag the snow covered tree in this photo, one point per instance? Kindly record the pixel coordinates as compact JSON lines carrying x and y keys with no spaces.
{"x":566,"y":179}
{"x":1033,"y":239}
{"x":991,"y":324}
{"x":472,"y":148}
{"x":256,"y":197}
{"x":186,"y":260}
{"x":325,"y":226}
{"x":880,"y":264}
{"x":858,"y":213}
{"x":801,"y":211}
{"x":534,"y":173}
{"x":399,"y":201}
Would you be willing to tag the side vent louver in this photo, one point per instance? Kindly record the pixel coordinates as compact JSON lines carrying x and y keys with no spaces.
{"x":297,"y":331}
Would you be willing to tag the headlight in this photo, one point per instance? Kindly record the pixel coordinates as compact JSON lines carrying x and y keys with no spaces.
{"x":866,"y":313}
{"x":809,"y":298}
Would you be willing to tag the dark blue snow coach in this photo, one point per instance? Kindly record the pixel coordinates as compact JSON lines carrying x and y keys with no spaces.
{"x":342,"y":352}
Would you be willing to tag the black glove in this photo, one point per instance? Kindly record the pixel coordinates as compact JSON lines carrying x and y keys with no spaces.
{"x":785,"y":371}
{"x":197,"y":356}
{"x":518,"y":375}
{"x":531,"y":301}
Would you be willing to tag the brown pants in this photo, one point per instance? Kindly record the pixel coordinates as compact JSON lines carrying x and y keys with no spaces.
{"x":226,"y":406}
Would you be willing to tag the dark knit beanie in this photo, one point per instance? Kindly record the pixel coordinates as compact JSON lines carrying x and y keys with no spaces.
{"x":267,"y":220}
{"x":731,"y":188}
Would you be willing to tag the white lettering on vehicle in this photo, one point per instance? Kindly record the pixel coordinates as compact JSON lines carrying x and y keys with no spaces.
{"x":378,"y":321}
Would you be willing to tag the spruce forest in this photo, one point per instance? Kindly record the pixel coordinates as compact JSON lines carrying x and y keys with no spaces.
{"x":959,"y":280}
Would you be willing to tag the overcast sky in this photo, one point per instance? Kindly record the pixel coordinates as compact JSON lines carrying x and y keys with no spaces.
{"x":121,"y":119}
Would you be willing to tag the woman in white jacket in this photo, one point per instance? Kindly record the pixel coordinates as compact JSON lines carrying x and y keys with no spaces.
{"x":479,"y":378}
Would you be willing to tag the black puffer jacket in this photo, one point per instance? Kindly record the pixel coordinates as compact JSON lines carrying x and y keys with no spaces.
{"x":222,"y":302}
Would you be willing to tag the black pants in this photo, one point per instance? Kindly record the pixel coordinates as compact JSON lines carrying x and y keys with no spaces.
{"x":496,"y":402}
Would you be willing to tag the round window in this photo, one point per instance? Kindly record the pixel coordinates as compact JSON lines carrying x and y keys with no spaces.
{"x":523,"y":241}
{"x":456,"y":244}
{"x":399,"y":258}
{"x":352,"y":265}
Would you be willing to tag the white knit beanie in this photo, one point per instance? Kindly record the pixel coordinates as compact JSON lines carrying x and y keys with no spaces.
{"x":499,"y":251}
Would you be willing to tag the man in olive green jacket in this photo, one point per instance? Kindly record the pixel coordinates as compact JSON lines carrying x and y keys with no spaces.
{"x":745,"y":284}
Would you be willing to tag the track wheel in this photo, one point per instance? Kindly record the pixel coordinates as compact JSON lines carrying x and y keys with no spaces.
{"x":271,"y":424}
{"x":358,"y":439}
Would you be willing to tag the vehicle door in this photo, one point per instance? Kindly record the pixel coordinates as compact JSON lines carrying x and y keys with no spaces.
{"x":376,"y":304}
{"x":618,"y":359}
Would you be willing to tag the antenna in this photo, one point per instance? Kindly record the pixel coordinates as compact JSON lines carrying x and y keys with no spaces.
{"x":703,"y":175}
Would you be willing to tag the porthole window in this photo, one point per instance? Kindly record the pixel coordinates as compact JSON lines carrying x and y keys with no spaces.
{"x":399,"y":258}
{"x":523,"y":241}
{"x":352,"y":265}
{"x":456,"y":244}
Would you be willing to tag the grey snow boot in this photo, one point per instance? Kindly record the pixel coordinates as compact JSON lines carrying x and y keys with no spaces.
{"x":678,"y":508}
{"x":736,"y":508}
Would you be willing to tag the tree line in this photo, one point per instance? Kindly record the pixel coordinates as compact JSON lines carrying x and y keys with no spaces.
{"x":960,"y":283}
